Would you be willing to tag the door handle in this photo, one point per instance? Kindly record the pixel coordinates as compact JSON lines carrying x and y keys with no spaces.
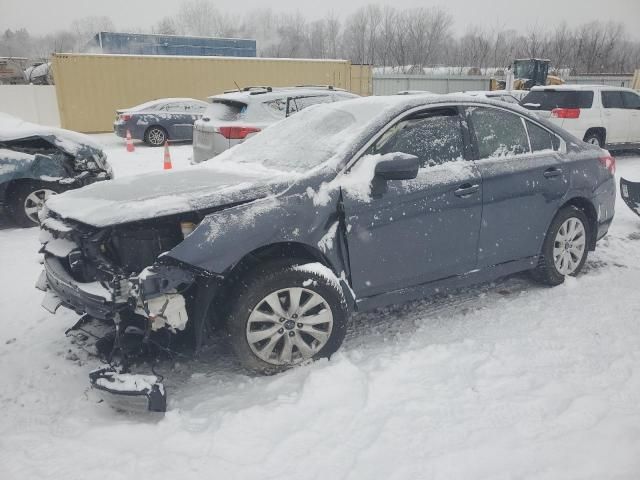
{"x":552,"y":172}
{"x":466,"y":189}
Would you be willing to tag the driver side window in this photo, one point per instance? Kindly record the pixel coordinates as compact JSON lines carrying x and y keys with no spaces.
{"x":435,"y":137}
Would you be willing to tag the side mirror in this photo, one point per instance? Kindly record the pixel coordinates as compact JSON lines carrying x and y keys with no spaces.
{"x":398,"y":166}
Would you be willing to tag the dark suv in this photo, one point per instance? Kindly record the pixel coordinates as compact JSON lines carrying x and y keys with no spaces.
{"x":345,"y":206}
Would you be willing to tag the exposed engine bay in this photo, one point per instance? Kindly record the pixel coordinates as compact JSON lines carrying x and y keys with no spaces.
{"x":118,"y":275}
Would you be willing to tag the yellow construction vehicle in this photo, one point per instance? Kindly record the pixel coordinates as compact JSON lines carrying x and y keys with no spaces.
{"x":527,"y":73}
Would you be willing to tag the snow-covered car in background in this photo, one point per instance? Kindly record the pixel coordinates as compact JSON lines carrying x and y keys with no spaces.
{"x":38,"y":161}
{"x":599,"y":114}
{"x":345,"y":206}
{"x":233,"y":117}
{"x":160,"y":120}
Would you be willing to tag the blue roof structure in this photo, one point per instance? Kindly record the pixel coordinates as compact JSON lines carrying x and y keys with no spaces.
{"x":151,"y":44}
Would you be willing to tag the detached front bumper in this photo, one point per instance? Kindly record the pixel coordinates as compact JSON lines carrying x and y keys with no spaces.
{"x":61,"y":289}
{"x":130,"y":392}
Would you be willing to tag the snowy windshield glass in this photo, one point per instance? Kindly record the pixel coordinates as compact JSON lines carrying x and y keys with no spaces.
{"x":309,"y":138}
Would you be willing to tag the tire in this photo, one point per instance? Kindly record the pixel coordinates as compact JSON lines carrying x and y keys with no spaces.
{"x":155,"y":136}
{"x":594,"y":138}
{"x":27,"y":199}
{"x":289,"y":338}
{"x":552,"y":268}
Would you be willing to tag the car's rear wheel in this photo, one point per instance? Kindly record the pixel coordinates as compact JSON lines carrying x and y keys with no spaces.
{"x":565,"y":248}
{"x":594,"y":138}
{"x":27,"y":199}
{"x":283,"y":316}
{"x":155,"y":136}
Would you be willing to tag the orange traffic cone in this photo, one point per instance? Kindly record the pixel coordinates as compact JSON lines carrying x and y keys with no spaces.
{"x":130,"y":147}
{"x":167,"y":157}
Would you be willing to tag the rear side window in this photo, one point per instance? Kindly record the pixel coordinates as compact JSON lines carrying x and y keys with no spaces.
{"x":498,"y":133}
{"x":299,"y":103}
{"x":550,"y":99}
{"x":541,"y":139}
{"x":631,"y":100}
{"x":226,"y":110}
{"x":612,"y":100}
{"x":435,"y":137}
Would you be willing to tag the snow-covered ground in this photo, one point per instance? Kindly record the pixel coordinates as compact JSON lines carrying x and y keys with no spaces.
{"x":507,"y":380}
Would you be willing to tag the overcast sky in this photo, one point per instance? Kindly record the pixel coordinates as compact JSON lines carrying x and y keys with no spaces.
{"x":45,"y":16}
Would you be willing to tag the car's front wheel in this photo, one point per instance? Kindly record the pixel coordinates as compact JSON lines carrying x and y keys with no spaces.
{"x":286,"y":314}
{"x":565,"y":247}
{"x":27,"y":199}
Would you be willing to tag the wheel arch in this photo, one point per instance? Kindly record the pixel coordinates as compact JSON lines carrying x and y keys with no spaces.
{"x":589,"y":210}
{"x":278,"y":251}
{"x":155,"y":125}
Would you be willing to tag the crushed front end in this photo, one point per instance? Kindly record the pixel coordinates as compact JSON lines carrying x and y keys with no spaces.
{"x":119,"y":275}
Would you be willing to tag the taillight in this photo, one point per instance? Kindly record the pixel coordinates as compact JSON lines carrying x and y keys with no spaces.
{"x":125,"y":117}
{"x":565,"y":113}
{"x":609,"y":162}
{"x":237,"y":133}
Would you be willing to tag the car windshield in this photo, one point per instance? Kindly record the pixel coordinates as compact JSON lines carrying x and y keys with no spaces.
{"x":309,"y":138}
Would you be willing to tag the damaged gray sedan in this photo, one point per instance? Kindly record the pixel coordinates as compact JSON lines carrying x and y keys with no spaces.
{"x":37,"y":162}
{"x":345,"y":206}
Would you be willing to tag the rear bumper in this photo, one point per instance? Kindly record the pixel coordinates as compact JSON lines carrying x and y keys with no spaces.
{"x":120,"y":129}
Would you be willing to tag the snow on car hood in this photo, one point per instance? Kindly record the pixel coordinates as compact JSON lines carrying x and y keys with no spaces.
{"x":152,"y":195}
{"x":13,"y":128}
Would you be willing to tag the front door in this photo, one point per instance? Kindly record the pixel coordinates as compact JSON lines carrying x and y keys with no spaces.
{"x":523,"y":181}
{"x":414,"y":231}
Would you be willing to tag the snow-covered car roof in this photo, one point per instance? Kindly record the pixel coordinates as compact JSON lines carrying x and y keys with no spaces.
{"x":13,"y":128}
{"x":160,"y":101}
{"x":264,"y":95}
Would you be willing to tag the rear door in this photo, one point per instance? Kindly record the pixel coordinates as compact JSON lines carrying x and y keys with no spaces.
{"x":178,"y":121}
{"x":415,"y":231}
{"x":615,"y":116}
{"x":523,"y":182}
{"x":632,"y":105}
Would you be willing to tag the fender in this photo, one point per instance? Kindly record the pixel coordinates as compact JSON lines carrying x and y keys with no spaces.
{"x":223,"y":238}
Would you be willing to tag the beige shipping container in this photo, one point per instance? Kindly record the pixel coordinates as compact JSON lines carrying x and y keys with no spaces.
{"x":90,"y":88}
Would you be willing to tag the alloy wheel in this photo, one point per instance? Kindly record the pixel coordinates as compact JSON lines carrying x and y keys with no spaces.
{"x":34,"y":202}
{"x":289,"y":326}
{"x":569,"y":246}
{"x":156,"y":137}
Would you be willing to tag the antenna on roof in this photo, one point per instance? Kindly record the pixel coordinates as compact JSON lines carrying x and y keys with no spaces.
{"x":237,"y":86}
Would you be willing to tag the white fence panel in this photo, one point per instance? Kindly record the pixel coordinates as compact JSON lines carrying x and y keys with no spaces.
{"x":34,"y":103}
{"x":392,"y":84}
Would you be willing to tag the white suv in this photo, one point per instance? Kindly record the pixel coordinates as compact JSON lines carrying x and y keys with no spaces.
{"x":233,"y":117}
{"x":605,"y":116}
